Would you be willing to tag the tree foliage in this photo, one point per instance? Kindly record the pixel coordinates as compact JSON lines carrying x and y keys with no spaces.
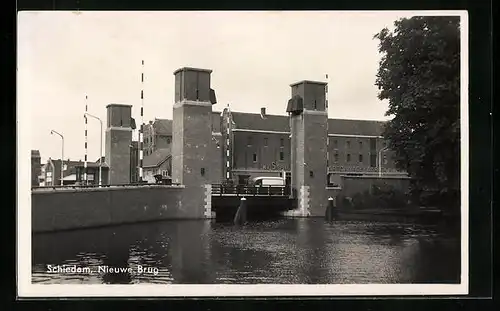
{"x":419,"y":75}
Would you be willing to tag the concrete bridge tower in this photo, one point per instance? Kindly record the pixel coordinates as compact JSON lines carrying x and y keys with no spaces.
{"x":308,"y":125}
{"x":192,"y":139}
{"x":118,"y":141}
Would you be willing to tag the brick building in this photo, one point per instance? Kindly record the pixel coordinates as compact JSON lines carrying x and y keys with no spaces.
{"x":258,"y":144}
{"x":134,"y":162}
{"x":157,"y":135}
{"x":246,"y":145}
{"x":36,"y":168}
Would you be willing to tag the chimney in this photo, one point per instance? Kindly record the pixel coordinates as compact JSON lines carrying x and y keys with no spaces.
{"x":263,"y":112}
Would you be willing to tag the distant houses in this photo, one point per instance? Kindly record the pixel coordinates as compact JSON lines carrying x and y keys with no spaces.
{"x":36,"y":168}
{"x":73,"y":172}
{"x":159,"y":162}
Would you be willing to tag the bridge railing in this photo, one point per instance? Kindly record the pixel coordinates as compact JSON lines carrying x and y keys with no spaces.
{"x":245,"y":190}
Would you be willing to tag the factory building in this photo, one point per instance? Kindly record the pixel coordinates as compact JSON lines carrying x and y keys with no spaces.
{"x":246,"y":145}
{"x":258,"y":144}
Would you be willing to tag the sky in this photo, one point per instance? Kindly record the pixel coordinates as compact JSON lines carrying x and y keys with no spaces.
{"x":255,"y":56}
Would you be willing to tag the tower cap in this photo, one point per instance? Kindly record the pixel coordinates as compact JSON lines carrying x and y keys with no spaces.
{"x":308,"y":82}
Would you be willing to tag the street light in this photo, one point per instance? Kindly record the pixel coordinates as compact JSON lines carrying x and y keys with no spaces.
{"x":52,"y":132}
{"x":380,"y":161}
{"x":100,"y":152}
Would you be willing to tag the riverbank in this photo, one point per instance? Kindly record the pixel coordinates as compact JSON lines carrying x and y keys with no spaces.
{"x":397,"y":215}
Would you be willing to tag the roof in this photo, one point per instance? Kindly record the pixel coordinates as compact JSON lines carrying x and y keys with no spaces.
{"x":35,"y":153}
{"x":308,"y":82}
{"x":192,"y":69}
{"x":253,"y":121}
{"x":118,"y":105}
{"x":157,"y":157}
{"x":355,"y":127}
{"x":280,"y":123}
{"x":163,"y":126}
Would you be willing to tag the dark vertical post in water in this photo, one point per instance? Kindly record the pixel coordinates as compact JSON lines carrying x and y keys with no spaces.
{"x":241,"y":214}
{"x":331,"y":211}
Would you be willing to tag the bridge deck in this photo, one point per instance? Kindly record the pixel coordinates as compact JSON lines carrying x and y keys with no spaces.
{"x":253,"y":191}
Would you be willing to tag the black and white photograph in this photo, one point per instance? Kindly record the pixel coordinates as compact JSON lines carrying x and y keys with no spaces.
{"x":242,"y":153}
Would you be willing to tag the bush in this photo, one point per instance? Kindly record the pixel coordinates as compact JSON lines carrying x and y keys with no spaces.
{"x":381,"y":197}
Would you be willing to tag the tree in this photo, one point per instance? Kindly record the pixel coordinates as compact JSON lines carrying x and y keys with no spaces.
{"x":419,"y":74}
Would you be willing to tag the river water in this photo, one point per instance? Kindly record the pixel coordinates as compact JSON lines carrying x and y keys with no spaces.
{"x":284,"y":251}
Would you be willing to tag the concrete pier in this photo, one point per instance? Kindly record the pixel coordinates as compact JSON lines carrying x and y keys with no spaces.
{"x":331,"y":211}
{"x":241,"y":214}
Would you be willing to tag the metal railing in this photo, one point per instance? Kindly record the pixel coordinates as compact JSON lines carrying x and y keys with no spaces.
{"x":245,"y":190}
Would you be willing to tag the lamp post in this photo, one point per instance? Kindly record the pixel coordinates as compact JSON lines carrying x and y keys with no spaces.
{"x":52,"y":132}
{"x":380,"y":161}
{"x":100,"y":149}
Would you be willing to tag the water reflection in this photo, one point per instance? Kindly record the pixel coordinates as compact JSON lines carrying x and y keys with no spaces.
{"x":309,"y":251}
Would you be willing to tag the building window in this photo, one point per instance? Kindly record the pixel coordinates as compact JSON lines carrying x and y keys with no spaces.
{"x":282,"y":142}
{"x":360,"y":158}
{"x":249,"y":143}
{"x":348,"y":157}
{"x":282,"y":156}
{"x":314,"y":105}
{"x":265,"y":141}
{"x":348,"y":144}
{"x":255,"y":157}
{"x":202,"y":171}
{"x":373,"y":144}
{"x":168,"y":140}
{"x":336,"y":157}
{"x":373,"y":160}
{"x":385,"y":159}
{"x":360,"y":145}
{"x":164,"y":173}
{"x":335,"y":144}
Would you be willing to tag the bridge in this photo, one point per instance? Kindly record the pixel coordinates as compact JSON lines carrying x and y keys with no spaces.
{"x":260,"y":199}
{"x":250,"y":191}
{"x":218,"y":190}
{"x":225,"y":198}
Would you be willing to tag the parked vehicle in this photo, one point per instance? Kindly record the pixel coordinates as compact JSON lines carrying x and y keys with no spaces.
{"x":268,"y":181}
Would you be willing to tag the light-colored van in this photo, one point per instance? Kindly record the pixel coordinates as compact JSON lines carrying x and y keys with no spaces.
{"x":268,"y":181}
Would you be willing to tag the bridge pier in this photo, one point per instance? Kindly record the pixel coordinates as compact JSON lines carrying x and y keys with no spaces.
{"x":241,"y":214}
{"x":331,"y":210}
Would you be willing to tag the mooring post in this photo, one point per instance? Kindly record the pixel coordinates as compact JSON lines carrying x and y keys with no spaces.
{"x":241,"y":214}
{"x":329,"y":210}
